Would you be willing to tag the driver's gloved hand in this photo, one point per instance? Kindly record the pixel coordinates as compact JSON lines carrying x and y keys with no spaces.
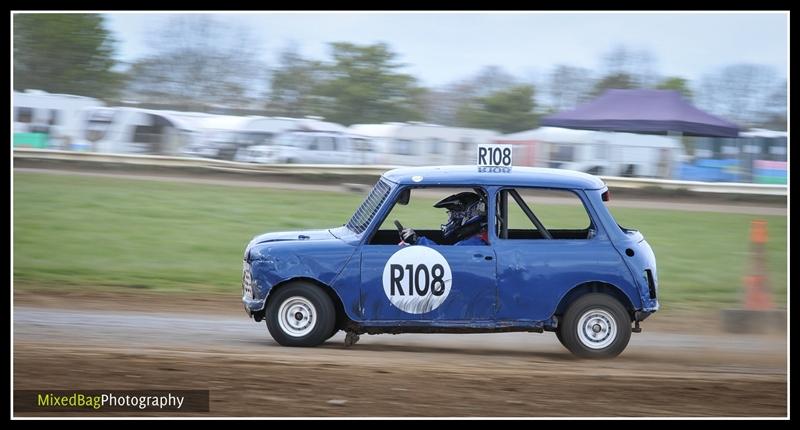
{"x":409,"y":236}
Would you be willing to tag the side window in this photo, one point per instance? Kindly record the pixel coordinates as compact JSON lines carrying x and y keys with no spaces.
{"x":403,"y":147}
{"x":55,"y":117}
{"x":435,"y":145}
{"x":539,"y":212}
{"x":23,"y":114}
{"x":142,"y":134}
{"x":325,"y":143}
{"x":420,"y":214}
{"x":562,"y":153}
{"x":360,"y":145}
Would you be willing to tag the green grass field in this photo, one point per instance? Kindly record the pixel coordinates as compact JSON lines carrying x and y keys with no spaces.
{"x":77,"y":232}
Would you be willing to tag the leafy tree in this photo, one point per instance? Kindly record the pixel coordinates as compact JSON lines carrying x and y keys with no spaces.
{"x":615,"y":81}
{"x":64,"y":53}
{"x":292,"y":85}
{"x":678,"y":84}
{"x":507,"y":111}
{"x":442,"y":104}
{"x":363,"y":85}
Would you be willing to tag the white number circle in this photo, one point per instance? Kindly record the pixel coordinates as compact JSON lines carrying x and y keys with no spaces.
{"x":417,"y":279}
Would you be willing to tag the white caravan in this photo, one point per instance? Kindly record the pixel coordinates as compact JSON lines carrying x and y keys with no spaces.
{"x":225,"y":135}
{"x":139,"y":131}
{"x":302,"y":140}
{"x":59,"y":116}
{"x":312,"y":147}
{"x":597,"y":152}
{"x":417,"y":144}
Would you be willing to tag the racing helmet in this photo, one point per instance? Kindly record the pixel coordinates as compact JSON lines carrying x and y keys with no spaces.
{"x":466,"y":215}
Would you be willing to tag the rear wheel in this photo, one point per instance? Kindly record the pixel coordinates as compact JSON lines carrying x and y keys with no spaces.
{"x":300,"y":314}
{"x":595,"y":326}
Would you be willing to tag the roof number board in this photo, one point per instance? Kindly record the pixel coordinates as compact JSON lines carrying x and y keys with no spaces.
{"x":495,"y":155}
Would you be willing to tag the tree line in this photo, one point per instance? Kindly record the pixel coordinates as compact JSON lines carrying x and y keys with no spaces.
{"x":197,"y":63}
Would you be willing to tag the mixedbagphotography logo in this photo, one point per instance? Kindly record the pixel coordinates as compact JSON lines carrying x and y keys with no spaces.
{"x":111,"y":401}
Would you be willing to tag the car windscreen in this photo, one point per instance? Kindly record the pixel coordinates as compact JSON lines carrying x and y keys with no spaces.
{"x":369,"y":207}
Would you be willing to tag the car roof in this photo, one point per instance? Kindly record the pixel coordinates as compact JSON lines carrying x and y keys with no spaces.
{"x":519,"y":176}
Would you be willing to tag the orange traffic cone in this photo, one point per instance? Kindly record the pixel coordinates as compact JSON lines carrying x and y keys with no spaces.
{"x":757,"y":294}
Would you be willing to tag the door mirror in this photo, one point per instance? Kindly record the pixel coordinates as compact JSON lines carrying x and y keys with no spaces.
{"x":404,"y":197}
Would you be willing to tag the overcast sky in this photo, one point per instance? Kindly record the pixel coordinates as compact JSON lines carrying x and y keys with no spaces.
{"x":442,"y":47}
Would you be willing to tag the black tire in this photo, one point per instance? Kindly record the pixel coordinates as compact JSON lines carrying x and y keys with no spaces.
{"x":606,"y":338}
{"x":315,"y":315}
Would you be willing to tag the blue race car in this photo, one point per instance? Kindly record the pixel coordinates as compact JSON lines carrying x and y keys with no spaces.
{"x":502,"y":261}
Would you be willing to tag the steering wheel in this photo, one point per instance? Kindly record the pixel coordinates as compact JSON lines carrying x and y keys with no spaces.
{"x":399,"y":229}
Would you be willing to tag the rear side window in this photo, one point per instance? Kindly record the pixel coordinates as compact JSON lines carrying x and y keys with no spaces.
{"x":561,"y":213}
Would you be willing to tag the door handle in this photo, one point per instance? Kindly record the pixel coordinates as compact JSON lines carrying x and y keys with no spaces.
{"x":485,"y":257}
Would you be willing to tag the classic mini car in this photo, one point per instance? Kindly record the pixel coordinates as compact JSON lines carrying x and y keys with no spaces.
{"x":547,"y":255}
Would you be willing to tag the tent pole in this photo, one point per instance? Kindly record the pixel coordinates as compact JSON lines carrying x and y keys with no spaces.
{"x":671,"y":161}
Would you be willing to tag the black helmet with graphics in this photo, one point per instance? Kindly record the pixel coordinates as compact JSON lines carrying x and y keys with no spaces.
{"x":466,"y":213}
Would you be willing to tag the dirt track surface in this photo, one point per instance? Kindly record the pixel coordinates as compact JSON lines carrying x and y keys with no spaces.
{"x":666,"y":371}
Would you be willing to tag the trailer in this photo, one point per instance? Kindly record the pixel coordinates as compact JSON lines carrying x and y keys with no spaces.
{"x":46,"y":120}
{"x":230,"y":137}
{"x":416,"y":143}
{"x":311,"y":147}
{"x":597,"y":152}
{"x":139,"y":131}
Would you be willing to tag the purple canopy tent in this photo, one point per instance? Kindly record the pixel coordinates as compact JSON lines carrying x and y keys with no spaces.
{"x":643,"y":111}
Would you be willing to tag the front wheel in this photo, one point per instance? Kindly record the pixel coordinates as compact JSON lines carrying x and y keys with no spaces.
{"x":300,"y":314}
{"x":595,"y":326}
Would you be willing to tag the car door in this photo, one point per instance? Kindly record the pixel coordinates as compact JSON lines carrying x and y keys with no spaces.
{"x":535,"y":271}
{"x":428,"y":283}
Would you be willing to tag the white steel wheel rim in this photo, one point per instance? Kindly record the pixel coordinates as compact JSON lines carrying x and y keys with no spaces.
{"x":597,"y":329}
{"x":297,"y":317}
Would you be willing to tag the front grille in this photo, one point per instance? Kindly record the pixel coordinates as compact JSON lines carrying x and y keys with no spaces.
{"x":247,"y":281}
{"x":651,"y":283}
{"x":369,"y":207}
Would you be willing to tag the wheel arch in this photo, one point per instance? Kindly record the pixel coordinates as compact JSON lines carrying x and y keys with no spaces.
{"x":594,"y":287}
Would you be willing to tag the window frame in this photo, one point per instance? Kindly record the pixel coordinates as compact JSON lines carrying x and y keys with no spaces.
{"x":397,"y":192}
{"x":501,"y":211}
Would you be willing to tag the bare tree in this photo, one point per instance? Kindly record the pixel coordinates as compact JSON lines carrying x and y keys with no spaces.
{"x":742,"y":93}
{"x":197,"y":60}
{"x":569,"y":86}
{"x":639,"y":65}
{"x":775,"y":107}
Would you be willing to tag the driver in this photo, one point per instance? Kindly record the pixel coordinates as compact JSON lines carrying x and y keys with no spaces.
{"x":466,"y":222}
